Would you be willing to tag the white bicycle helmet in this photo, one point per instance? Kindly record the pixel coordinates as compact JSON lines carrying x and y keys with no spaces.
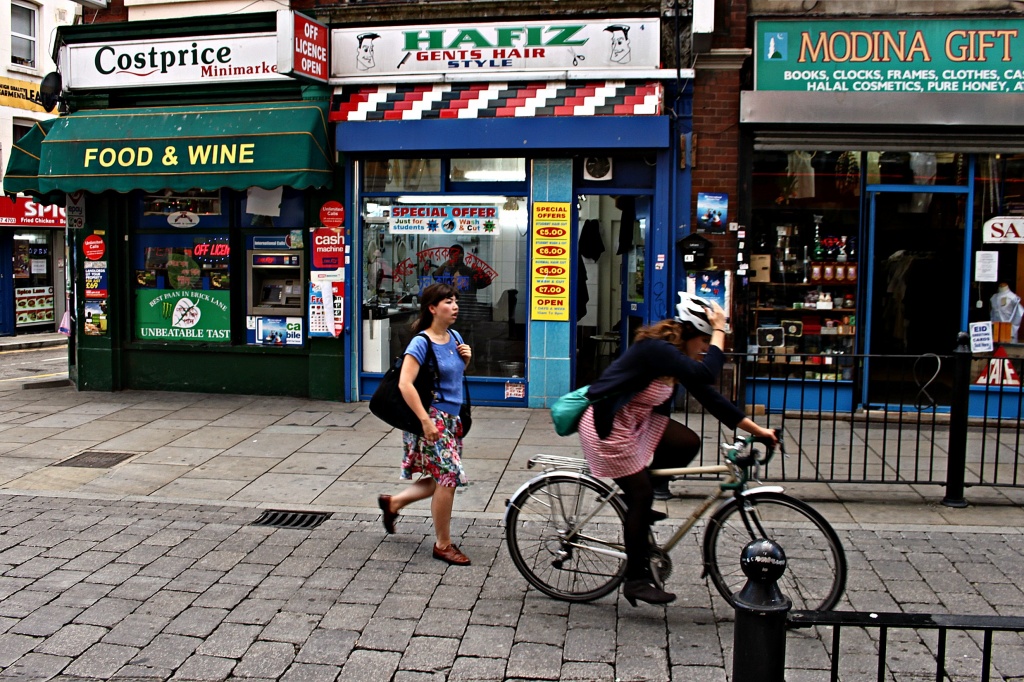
{"x":694,"y":310}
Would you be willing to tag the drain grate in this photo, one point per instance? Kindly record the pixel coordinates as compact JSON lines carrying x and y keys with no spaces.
{"x":96,"y":459}
{"x":277,"y":518}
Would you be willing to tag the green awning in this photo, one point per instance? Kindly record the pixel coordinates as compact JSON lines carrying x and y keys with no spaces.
{"x":23,"y":165}
{"x":236,"y":146}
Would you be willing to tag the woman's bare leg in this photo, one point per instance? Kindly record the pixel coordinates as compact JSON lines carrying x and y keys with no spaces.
{"x":441,"y":510}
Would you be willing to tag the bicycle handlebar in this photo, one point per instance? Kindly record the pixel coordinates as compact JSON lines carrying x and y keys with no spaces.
{"x":748,"y":460}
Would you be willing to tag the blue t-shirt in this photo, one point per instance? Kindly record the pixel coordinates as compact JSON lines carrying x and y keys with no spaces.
{"x":448,"y":394}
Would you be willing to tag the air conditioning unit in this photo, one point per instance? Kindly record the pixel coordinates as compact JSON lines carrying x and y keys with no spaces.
{"x":597,"y":168}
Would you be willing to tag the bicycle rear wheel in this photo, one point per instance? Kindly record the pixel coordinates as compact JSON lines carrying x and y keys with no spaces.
{"x":815,"y":574}
{"x":558,"y":557}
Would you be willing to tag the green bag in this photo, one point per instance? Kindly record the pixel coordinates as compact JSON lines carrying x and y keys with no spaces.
{"x":568,"y":409}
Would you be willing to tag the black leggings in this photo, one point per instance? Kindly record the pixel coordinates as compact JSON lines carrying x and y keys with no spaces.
{"x":677,"y":448}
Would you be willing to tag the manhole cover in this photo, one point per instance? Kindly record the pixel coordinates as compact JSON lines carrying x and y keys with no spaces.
{"x":96,"y":459}
{"x":277,"y":518}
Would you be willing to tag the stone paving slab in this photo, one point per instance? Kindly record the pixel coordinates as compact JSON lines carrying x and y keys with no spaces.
{"x":159,"y":591}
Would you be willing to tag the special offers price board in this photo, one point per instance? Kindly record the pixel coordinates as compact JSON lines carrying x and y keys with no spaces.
{"x":549,"y":277}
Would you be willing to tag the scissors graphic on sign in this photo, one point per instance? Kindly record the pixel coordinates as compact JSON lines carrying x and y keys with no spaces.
{"x":577,"y":58}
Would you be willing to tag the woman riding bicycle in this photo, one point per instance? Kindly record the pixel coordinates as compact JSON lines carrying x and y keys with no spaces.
{"x":631,"y":430}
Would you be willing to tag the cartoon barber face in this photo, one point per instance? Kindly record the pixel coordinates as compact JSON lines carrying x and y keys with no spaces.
{"x":364,"y":52}
{"x":620,"y":43}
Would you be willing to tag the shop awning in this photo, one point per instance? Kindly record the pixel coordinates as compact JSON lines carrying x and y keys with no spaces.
{"x":206,"y":147}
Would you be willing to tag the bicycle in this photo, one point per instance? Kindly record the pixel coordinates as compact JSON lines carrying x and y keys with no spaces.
{"x":564,"y":530}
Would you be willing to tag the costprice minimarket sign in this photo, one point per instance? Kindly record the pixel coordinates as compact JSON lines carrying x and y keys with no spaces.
{"x":921,"y":56}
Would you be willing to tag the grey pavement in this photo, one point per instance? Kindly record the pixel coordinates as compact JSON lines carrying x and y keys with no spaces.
{"x":149,"y":568}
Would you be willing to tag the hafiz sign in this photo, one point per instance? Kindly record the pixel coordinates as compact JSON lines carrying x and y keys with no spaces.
{"x":1004,"y":230}
{"x":558,"y":45}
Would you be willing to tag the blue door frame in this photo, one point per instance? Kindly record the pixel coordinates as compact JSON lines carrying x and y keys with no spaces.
{"x":6,"y":283}
{"x":869,"y":266}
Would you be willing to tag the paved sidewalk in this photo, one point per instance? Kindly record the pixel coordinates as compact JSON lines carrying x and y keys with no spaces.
{"x":148,"y":569}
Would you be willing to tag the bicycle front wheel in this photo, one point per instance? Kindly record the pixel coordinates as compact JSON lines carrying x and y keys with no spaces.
{"x":553,"y":545}
{"x":815,"y":574}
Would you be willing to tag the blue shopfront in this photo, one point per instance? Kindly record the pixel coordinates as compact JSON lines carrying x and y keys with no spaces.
{"x":552,"y":198}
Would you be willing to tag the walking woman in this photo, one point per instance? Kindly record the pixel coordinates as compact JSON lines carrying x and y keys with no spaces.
{"x":436,"y":456}
{"x":632,"y":431}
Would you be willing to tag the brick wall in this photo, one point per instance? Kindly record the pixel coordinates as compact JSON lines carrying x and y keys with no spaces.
{"x":716,"y":102}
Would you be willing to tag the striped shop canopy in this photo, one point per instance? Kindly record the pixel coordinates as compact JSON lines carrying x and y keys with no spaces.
{"x":497,"y":100}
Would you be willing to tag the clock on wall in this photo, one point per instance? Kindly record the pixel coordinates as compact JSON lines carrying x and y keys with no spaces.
{"x":597,"y":168}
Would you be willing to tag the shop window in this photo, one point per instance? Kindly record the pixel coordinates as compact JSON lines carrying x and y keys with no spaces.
{"x":33,"y":279}
{"x":198,"y":202}
{"x":487,"y":170}
{"x":182,"y":287}
{"x":804,"y":266}
{"x":476,"y":243}
{"x":998,"y":275}
{"x":402,"y":175}
{"x":23,"y":34}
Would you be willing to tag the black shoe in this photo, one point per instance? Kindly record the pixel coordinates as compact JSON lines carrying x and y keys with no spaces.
{"x":655,"y":515}
{"x":643,"y":590}
{"x":663,"y":493}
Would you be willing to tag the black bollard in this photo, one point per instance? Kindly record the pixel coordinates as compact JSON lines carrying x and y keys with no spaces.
{"x":956,"y":461}
{"x":759,"y":638}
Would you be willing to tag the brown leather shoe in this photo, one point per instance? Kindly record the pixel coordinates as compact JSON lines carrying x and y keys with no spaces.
{"x":452,"y":555}
{"x":388,"y":517}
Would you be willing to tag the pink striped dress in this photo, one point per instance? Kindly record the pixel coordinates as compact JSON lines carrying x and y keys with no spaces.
{"x":629,"y":448}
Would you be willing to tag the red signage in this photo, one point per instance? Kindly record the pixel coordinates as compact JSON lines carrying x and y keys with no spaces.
{"x":328,"y":248}
{"x":332,"y":214}
{"x":93,"y":247}
{"x":306,"y":52}
{"x":23,"y":212}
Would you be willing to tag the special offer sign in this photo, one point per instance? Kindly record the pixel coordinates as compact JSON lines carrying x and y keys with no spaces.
{"x":549,"y":278}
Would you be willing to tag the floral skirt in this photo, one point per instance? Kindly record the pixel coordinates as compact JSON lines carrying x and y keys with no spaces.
{"x":442,"y":460}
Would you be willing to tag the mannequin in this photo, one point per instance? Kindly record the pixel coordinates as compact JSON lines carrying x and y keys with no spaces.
{"x":1006,"y":307}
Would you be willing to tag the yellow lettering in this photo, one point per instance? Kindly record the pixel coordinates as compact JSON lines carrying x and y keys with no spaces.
{"x":245,"y":152}
{"x":145,"y":156}
{"x":200,"y":154}
{"x":812,"y":52}
{"x":90,"y":155}
{"x":227,"y":153}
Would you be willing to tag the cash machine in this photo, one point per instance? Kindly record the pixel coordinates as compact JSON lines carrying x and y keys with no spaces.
{"x":275,"y":296}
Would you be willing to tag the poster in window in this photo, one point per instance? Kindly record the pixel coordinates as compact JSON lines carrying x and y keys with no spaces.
{"x":21,"y":260}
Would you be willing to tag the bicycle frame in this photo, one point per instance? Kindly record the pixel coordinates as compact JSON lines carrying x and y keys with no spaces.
{"x":578,"y":467}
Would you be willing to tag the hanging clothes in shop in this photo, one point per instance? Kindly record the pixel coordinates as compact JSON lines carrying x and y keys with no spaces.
{"x":924,"y":166}
{"x":1006,"y":307}
{"x":591,"y":244}
{"x":800,"y":173}
{"x":582,"y":293}
{"x":627,"y":223}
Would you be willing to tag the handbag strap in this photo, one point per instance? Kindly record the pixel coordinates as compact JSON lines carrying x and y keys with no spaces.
{"x":431,"y":358}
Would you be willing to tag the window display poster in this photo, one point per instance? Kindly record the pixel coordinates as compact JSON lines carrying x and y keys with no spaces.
{"x":183,"y":315}
{"x":326,"y":303}
{"x":273,"y":331}
{"x":21,"y":260}
{"x":713,"y":285}
{"x":95,"y":318}
{"x":34,"y":305}
{"x":712,"y":212}
{"x":549,"y":280}
{"x":96,"y":279}
{"x":986,"y":266}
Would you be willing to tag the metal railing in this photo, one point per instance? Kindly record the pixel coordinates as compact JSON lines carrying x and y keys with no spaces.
{"x":879,"y":418}
{"x":963,"y":650}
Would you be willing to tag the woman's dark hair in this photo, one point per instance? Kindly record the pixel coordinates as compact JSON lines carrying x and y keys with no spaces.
{"x":675,"y":332}
{"x":432,"y":295}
